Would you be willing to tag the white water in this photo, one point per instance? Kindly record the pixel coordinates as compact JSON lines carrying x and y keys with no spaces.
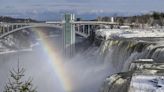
{"x":88,"y":68}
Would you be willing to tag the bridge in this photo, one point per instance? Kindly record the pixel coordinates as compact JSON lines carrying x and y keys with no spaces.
{"x":69,"y":25}
{"x":9,"y":28}
{"x":82,"y":28}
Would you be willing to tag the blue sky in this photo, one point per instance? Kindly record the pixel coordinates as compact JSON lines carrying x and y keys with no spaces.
{"x":38,"y":8}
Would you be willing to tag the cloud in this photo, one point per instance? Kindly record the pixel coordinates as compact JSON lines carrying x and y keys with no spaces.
{"x":36,"y":7}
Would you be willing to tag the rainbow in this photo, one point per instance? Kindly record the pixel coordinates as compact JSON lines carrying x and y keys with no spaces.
{"x":56,"y":62}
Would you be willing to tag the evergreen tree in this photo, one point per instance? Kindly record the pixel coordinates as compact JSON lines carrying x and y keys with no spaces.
{"x":16,"y":83}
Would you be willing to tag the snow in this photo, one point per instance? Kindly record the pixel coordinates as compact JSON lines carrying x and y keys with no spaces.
{"x":129,"y":33}
{"x":147,"y":83}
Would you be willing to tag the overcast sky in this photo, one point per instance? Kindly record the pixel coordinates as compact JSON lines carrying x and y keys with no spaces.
{"x":34,"y":7}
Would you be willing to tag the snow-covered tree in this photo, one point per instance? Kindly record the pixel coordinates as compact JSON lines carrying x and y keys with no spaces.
{"x":16,"y":83}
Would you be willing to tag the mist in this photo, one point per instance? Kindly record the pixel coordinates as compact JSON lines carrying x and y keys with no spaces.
{"x":86,"y":70}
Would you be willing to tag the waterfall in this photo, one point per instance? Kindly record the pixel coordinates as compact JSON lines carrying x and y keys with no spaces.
{"x":93,"y":63}
{"x":90,"y":67}
{"x":122,"y":54}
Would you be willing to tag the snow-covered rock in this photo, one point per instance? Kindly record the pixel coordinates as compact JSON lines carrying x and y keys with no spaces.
{"x":129,"y":33}
{"x":144,"y":76}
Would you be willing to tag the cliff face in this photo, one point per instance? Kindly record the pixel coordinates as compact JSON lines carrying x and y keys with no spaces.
{"x":18,"y":40}
{"x":117,"y":82}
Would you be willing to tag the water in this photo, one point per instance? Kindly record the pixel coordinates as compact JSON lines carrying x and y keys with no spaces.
{"x":87,"y":69}
{"x":37,"y":66}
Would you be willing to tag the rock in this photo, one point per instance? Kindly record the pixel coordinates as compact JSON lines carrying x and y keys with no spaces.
{"x":145,"y":76}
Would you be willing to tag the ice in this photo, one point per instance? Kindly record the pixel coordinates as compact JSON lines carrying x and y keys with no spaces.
{"x":129,"y":33}
{"x":147,"y":83}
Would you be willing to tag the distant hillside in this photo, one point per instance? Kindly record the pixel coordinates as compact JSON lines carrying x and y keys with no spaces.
{"x":155,"y":18}
{"x":152,"y":19}
{"x":17,"y":20}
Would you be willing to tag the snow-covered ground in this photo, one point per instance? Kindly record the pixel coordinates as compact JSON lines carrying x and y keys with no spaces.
{"x":129,"y":33}
{"x":147,"y":83}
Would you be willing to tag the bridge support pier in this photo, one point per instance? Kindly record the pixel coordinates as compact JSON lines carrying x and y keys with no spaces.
{"x":83,"y":29}
{"x":78,"y":27}
{"x":8,"y":28}
{"x":3,"y":30}
{"x":69,"y":35}
{"x":89,"y":30}
{"x":12,"y":27}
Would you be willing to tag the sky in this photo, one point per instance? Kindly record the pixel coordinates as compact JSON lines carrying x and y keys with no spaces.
{"x":44,"y":9}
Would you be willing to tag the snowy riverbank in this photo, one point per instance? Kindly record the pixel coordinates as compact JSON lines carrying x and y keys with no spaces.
{"x":129,"y":33}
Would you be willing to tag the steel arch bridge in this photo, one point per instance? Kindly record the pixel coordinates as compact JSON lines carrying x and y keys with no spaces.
{"x":69,"y":25}
{"x":9,"y":28}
